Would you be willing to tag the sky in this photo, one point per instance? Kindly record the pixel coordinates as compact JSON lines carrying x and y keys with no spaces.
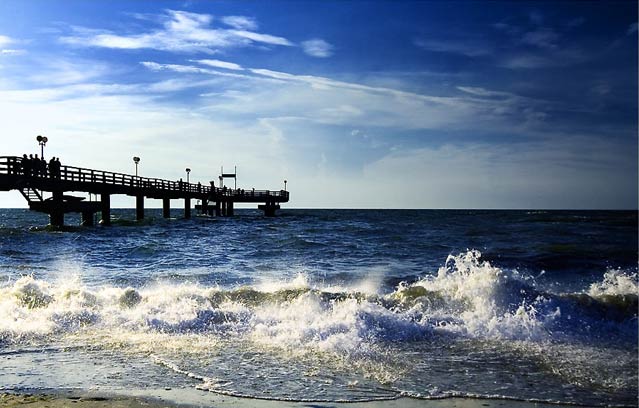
{"x":357,"y":104}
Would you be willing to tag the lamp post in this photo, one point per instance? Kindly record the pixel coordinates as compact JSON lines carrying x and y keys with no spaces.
{"x":42,"y":140}
{"x":136,"y":160}
{"x":187,"y":174}
{"x":285,"y":185}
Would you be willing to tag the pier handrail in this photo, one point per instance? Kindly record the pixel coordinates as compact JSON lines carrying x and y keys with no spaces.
{"x":12,"y":165}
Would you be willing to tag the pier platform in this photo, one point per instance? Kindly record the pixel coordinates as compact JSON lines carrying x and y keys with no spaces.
{"x":218,"y":201}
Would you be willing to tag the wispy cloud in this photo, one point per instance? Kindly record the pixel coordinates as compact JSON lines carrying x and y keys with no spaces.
{"x":219,"y":64}
{"x":4,"y":40}
{"x":240,"y":22}
{"x":551,"y":58}
{"x":317,"y":48}
{"x":260,"y":38}
{"x":324,"y":100}
{"x":191,"y":69}
{"x":7,"y":41}
{"x":181,"y":31}
{"x":632,"y":29}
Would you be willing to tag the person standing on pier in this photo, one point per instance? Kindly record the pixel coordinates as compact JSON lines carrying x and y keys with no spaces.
{"x":43,"y":167}
{"x":35,"y":166}
{"x":26,"y":165}
{"x":31,"y":166}
{"x":52,"y":167}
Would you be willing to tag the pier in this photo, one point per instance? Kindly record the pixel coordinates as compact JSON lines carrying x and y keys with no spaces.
{"x":218,"y":201}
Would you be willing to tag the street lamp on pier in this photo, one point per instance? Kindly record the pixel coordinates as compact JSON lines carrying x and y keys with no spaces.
{"x":285,"y":185}
{"x":42,"y":140}
{"x":136,"y":160}
{"x":187,"y":174}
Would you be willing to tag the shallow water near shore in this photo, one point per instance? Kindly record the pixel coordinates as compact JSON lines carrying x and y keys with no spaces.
{"x":326,"y":305}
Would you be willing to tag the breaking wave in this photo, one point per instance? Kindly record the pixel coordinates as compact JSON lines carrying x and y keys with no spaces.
{"x":341,"y":327}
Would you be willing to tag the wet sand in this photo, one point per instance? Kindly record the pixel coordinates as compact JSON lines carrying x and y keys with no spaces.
{"x":214,"y":400}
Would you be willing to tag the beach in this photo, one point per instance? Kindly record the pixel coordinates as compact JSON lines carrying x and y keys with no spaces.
{"x":56,"y":401}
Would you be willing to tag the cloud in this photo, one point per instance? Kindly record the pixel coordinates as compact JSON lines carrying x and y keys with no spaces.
{"x":4,"y":40}
{"x":317,"y":48}
{"x":12,"y":52}
{"x":548,"y":59}
{"x":219,"y":64}
{"x":181,"y":32}
{"x":261,"y":38}
{"x":190,"y":69}
{"x":478,"y":91}
{"x":632,"y":28}
{"x":326,"y":101}
{"x":240,"y":22}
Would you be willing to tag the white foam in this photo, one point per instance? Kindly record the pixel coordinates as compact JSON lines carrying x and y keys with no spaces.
{"x":475,"y":293}
{"x":615,"y":282}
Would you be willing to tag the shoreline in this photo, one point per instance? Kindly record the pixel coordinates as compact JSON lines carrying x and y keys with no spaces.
{"x":169,"y":398}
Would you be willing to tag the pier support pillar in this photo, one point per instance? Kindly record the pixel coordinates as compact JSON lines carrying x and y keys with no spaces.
{"x":218,"y":211}
{"x":187,"y":208}
{"x":205,"y":206}
{"x":224,"y":208}
{"x":56,"y":216}
{"x":229,"y":209}
{"x":269,"y":208}
{"x":106,"y":209}
{"x":87,"y":219}
{"x":139,"y":207}
{"x":166,"y":207}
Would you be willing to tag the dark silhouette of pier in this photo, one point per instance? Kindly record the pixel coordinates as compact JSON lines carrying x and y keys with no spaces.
{"x":217,"y":201}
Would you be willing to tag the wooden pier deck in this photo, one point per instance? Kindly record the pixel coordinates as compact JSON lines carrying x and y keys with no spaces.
{"x":214,"y":201}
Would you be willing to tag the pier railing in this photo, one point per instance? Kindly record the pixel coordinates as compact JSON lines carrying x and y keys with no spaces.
{"x":12,"y":165}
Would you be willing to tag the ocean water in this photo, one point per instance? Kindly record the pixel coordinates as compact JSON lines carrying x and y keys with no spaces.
{"x":326,"y":305}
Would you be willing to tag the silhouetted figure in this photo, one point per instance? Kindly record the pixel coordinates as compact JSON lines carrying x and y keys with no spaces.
{"x":43,"y":167}
{"x":31,"y":166}
{"x":58,"y":166}
{"x":25,"y":164}
{"x":180,"y":184}
{"x":52,"y":167}
{"x":37,"y":166}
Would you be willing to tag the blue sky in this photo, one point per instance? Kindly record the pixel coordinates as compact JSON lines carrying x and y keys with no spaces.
{"x":358,"y":104}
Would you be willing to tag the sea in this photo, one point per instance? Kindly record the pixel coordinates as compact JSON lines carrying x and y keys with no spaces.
{"x":325,"y":305}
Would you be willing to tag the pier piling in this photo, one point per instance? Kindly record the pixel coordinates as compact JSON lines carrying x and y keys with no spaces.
{"x":105,"y":201}
{"x":166,"y":207}
{"x":139,"y":207}
{"x":187,"y":208}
